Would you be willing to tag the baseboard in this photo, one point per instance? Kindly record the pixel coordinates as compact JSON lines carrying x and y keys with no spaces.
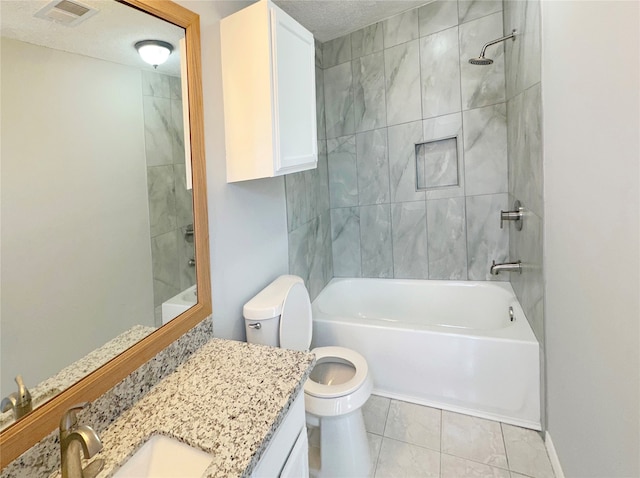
{"x":553,"y":456}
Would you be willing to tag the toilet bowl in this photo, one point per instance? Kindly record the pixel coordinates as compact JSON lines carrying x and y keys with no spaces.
{"x":339,"y":384}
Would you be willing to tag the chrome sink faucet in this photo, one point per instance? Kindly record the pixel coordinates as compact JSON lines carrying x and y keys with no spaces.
{"x":75,"y":439}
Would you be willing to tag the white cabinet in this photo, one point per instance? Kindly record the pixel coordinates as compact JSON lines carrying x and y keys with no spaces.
{"x":287,"y":454}
{"x":268,"y":80}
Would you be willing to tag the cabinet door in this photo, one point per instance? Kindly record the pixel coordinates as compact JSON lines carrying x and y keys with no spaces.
{"x":297,"y":464}
{"x":294,"y":94}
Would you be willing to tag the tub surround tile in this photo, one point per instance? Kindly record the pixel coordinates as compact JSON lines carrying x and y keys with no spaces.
{"x":409,"y":226}
{"x":343,"y":175}
{"x":485,"y":240}
{"x":375,"y":413}
{"x":403,"y":459}
{"x":320,"y":117}
{"x":43,"y":459}
{"x":447,"y":235}
{"x":158,"y":85}
{"x":402,"y":73}
{"x":337,"y":51}
{"x":159,"y":132}
{"x":524,"y":136}
{"x":345,"y":240}
{"x":175,"y":88}
{"x":522,"y":57}
{"x":162,"y":199}
{"x":414,"y":424}
{"x":471,"y":9}
{"x":318,"y":53}
{"x":401,"y":28}
{"x":526,"y":452}
{"x":440,"y":73}
{"x":369,"y":92}
{"x":186,"y":252}
{"x":367,"y":40}
{"x":372,"y":167}
{"x":177,"y":132}
{"x":375,"y":239}
{"x":165,"y":263}
{"x":402,"y":161}
{"x":482,"y":85}
{"x":437,"y":16}
{"x":184,"y":196}
{"x":454,"y":467}
{"x":322,"y":178}
{"x":473,"y":438}
{"x":338,"y":95}
{"x":297,"y":201}
{"x":485,"y":150}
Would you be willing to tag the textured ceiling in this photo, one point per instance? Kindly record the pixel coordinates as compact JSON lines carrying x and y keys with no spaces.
{"x":333,"y":18}
{"x":111,"y":34}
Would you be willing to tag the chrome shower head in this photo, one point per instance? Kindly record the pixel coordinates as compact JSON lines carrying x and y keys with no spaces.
{"x":482,"y":60}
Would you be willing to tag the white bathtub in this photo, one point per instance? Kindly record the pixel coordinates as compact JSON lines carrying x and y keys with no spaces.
{"x":445,"y":344}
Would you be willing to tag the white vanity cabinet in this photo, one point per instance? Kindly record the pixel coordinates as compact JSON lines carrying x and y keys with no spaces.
{"x":268,"y":80}
{"x":287,"y":454}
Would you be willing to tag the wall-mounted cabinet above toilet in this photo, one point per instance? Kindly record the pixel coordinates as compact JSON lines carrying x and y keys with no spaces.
{"x":268,"y":80}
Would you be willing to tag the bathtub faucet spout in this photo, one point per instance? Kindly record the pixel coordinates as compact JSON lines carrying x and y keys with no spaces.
{"x":505,"y":267}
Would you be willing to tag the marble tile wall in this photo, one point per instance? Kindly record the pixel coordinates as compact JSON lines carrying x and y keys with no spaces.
{"x":307,"y":194}
{"x":388,"y":87}
{"x":524,"y":147}
{"x":170,"y":202}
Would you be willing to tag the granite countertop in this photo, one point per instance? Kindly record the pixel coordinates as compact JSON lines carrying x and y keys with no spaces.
{"x":228,"y":399}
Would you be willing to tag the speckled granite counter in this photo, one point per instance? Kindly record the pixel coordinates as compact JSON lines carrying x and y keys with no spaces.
{"x":228,"y":399}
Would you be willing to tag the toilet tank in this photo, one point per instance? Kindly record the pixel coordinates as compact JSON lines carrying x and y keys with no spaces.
{"x":265,"y":309}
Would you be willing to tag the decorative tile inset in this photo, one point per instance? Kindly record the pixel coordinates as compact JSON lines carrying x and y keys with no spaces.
{"x":437,"y":163}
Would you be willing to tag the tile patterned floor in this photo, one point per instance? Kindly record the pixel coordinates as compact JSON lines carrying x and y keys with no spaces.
{"x":413,"y":441}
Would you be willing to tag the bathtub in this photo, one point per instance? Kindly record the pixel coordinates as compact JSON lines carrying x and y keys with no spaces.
{"x":445,"y":344}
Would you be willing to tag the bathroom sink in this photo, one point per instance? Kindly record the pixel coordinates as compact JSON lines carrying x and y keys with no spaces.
{"x":164,"y":457}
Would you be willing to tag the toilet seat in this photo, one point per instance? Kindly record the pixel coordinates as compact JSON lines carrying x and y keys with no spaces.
{"x":352,"y":357}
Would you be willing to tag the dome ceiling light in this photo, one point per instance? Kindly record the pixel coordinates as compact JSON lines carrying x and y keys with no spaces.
{"x":154,"y":52}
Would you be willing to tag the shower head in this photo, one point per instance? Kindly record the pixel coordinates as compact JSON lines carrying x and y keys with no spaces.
{"x":481,"y":60}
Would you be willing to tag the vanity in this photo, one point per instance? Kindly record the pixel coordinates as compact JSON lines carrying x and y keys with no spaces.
{"x":243,"y":404}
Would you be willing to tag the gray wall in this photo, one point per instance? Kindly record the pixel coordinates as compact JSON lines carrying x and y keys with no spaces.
{"x":592,"y":257}
{"x":170,"y":202}
{"x":392,"y":85}
{"x":524,"y":146}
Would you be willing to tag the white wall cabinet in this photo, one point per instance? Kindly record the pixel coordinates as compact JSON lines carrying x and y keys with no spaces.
{"x":268,"y":80}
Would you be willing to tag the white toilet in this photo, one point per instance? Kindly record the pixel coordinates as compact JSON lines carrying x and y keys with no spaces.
{"x":340,"y":383}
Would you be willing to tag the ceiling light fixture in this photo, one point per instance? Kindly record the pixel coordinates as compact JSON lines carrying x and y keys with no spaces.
{"x":154,"y":52}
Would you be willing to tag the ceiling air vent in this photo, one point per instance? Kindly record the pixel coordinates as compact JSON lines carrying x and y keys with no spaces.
{"x":66,"y":12}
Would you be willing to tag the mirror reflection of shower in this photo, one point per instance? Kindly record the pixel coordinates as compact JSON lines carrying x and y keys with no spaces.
{"x":482,"y":60}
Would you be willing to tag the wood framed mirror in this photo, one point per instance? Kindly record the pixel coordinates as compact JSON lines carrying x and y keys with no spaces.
{"x":26,"y":432}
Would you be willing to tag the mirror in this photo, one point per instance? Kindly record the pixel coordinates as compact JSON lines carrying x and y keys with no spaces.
{"x":92,"y":203}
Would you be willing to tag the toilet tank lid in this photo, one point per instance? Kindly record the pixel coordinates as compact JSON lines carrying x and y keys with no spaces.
{"x":268,"y":302}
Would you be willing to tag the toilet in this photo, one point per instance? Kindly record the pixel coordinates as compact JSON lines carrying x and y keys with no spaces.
{"x":339,"y":384}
